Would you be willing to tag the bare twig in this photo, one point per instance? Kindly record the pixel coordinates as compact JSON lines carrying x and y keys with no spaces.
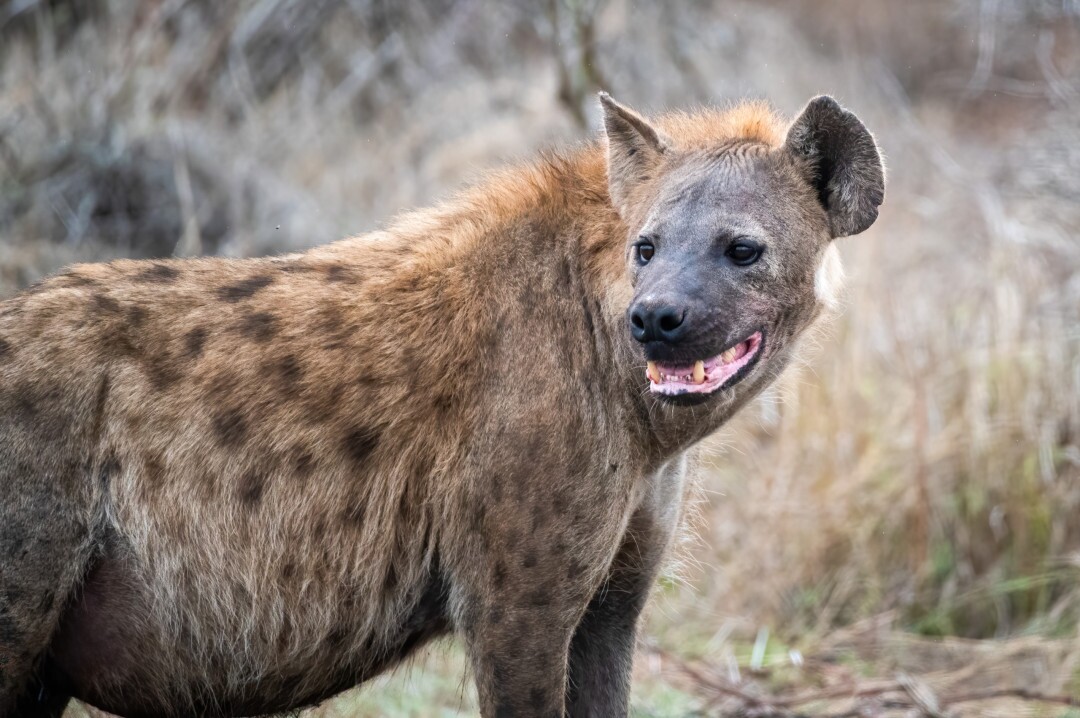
{"x":910,"y":692}
{"x":1021,"y":693}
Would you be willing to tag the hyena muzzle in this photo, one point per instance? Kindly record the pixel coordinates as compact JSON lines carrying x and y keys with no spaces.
{"x":232,"y":487}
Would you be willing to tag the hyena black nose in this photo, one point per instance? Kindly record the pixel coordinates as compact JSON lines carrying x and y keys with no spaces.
{"x":652,"y":321}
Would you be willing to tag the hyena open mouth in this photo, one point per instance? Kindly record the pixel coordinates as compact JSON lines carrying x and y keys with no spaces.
{"x":705,"y":375}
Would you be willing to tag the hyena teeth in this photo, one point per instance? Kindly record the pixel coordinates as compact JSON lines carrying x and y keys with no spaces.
{"x":728,"y":356}
{"x":654,"y":374}
{"x":699,"y":372}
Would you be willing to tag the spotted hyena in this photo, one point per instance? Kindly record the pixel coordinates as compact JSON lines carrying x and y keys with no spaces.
{"x":242,"y":486}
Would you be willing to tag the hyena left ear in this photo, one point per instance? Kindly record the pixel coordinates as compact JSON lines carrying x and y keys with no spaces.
{"x":844,"y":161}
{"x":634,"y":149}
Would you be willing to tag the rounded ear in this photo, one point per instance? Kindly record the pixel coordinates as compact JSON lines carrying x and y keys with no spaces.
{"x":634,"y":149}
{"x":844,"y":162}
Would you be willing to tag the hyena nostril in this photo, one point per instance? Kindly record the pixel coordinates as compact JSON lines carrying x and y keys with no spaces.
{"x":671,"y":321}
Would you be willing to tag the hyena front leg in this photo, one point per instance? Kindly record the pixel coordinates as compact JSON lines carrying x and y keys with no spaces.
{"x":41,"y":557}
{"x":602,"y":650}
{"x":521,"y":593}
{"x":44,"y":546}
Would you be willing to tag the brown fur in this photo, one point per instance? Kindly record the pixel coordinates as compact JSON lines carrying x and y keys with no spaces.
{"x":240,"y":486}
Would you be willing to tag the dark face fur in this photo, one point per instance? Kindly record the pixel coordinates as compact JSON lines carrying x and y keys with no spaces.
{"x":730,"y":250}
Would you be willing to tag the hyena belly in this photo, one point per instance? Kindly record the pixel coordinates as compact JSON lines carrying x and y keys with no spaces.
{"x":114,"y":637}
{"x":250,"y":581}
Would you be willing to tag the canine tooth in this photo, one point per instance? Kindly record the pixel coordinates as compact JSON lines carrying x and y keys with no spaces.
{"x":654,"y":374}
{"x":699,"y":372}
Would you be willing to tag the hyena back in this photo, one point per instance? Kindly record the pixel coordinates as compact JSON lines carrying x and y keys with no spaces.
{"x":231,"y":487}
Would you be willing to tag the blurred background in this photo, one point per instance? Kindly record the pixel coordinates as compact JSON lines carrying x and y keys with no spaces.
{"x":902,"y":513}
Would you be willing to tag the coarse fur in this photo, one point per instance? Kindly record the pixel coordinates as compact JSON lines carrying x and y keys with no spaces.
{"x":239,"y":486}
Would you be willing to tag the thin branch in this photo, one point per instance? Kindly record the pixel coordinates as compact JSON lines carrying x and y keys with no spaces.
{"x":1021,"y":693}
{"x":911,"y":693}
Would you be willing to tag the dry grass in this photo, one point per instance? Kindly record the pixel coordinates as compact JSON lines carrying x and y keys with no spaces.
{"x":924,"y":462}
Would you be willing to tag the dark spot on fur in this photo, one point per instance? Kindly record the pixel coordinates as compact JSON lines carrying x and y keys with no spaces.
{"x":230,"y":427}
{"x":288,"y":571}
{"x":294,"y":267}
{"x":560,"y":502}
{"x":328,"y":320}
{"x":564,"y":276}
{"x":443,"y":403}
{"x":354,"y":513}
{"x":476,"y":520}
{"x":587,"y":313}
{"x":536,"y":695}
{"x":252,"y":486}
{"x":245,"y":288}
{"x":496,"y":615}
{"x":258,"y":326}
{"x":530,"y":559}
{"x":194,"y":342}
{"x":390,"y":583}
{"x":40,"y":408}
{"x":10,"y":635}
{"x":337,"y":637}
{"x":104,"y":304}
{"x":13,"y":542}
{"x":303,"y":463}
{"x":5,"y":350}
{"x":158,"y":274}
{"x":341,"y":273}
{"x":69,"y":281}
{"x":136,"y":315}
{"x":288,"y":373}
{"x":498,"y":574}
{"x":154,"y":471}
{"x":359,"y":443}
{"x":498,"y":670}
{"x":539,"y":519}
{"x":220,"y":386}
{"x":540,"y":597}
{"x":161,"y":371}
{"x":110,"y":467}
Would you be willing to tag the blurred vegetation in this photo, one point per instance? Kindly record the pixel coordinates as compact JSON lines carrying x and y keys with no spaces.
{"x":922,"y":463}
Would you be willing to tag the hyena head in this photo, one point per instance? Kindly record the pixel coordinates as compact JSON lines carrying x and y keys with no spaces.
{"x":730,"y":251}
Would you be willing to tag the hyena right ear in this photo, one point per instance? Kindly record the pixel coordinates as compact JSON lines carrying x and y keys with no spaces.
{"x":634,"y":149}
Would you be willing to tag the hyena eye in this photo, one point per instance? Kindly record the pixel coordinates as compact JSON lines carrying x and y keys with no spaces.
{"x":643,"y":252}
{"x":743,"y":253}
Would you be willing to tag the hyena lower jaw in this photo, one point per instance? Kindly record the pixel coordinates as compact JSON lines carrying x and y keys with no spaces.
{"x":240,"y":486}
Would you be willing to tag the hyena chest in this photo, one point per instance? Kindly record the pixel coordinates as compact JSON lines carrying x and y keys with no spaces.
{"x":114,"y":635}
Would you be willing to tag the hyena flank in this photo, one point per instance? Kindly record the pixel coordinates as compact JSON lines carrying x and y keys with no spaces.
{"x":234,"y":487}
